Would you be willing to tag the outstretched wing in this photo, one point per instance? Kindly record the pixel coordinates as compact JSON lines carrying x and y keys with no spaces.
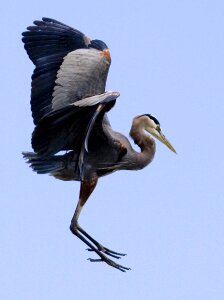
{"x":48,"y":42}
{"x":82,"y":72}
{"x":68,"y":87}
{"x":68,"y":95}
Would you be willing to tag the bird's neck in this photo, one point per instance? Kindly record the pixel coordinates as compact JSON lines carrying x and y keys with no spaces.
{"x":146,"y":144}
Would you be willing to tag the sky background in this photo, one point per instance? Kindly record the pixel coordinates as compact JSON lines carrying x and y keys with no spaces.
{"x":167,"y":60}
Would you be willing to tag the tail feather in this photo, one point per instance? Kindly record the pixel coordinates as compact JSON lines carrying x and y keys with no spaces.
{"x":43,"y":165}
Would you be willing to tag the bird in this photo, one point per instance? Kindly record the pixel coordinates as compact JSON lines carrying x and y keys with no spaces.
{"x":72,"y":138}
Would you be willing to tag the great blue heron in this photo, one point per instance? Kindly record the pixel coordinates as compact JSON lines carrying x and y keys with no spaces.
{"x":69,"y":105}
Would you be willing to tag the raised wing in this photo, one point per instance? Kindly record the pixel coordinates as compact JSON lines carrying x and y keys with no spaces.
{"x":68,"y":95}
{"x":47,"y":43}
{"x":49,"y":37}
{"x":83,"y":72}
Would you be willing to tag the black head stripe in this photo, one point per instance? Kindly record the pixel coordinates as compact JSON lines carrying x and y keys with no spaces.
{"x":152,"y":118}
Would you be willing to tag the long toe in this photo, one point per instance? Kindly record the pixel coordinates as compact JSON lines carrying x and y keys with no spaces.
{"x":108,"y":251}
{"x":110,"y":263}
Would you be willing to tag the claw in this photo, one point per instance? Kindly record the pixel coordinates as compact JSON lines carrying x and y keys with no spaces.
{"x":110,"y":263}
{"x":106,"y":252}
{"x":113,"y":252}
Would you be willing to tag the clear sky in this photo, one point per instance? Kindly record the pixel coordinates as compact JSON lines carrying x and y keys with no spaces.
{"x":167,"y":60}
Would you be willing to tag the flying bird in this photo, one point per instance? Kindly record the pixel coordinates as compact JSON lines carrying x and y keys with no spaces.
{"x":73,"y":138}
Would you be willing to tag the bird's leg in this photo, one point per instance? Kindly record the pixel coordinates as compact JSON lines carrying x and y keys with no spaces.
{"x":87,"y":187}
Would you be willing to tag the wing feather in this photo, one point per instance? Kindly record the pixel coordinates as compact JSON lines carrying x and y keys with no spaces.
{"x":69,"y":128}
{"x":83,"y":73}
{"x":68,"y":98}
{"x":47,"y":43}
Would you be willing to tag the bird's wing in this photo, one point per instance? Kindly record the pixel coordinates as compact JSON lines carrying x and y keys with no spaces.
{"x":48,"y":42}
{"x":82,"y":72}
{"x":68,"y":86}
{"x":69,"y":127}
{"x":48,"y":37}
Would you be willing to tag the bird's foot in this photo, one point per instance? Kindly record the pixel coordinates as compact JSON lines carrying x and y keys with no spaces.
{"x":101,"y":251}
{"x":98,"y":249}
{"x":110,"y":263}
{"x":108,"y":251}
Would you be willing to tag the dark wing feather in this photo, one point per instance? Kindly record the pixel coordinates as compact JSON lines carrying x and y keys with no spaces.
{"x":69,"y":128}
{"x":83,"y":73}
{"x":68,"y":85}
{"x":47,"y":43}
{"x":43,"y":83}
{"x":49,"y":37}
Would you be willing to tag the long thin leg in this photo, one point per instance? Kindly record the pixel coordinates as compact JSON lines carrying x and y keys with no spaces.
{"x":87,"y":187}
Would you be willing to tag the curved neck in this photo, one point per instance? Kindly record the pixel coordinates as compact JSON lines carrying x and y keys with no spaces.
{"x":146,"y":144}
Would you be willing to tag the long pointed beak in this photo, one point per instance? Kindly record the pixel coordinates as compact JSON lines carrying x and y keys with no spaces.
{"x":165,"y":141}
{"x":161,"y":137}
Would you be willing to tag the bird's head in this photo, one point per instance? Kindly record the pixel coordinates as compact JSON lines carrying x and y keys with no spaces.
{"x":152,"y":126}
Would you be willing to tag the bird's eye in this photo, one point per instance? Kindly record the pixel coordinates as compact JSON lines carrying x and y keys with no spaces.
{"x":158,"y":128}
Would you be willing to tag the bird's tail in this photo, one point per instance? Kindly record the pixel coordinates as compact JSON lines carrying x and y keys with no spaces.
{"x":43,"y":165}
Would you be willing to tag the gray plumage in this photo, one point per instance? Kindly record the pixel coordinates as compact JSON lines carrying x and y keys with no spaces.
{"x":69,"y":107}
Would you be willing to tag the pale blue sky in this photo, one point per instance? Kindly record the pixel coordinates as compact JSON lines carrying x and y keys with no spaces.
{"x":167,"y":60}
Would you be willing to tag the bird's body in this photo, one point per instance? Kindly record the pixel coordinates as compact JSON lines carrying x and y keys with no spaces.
{"x":69,"y":106}
{"x":64,"y":167}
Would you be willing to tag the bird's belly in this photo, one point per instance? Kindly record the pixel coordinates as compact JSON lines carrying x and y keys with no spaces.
{"x":102,"y":161}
